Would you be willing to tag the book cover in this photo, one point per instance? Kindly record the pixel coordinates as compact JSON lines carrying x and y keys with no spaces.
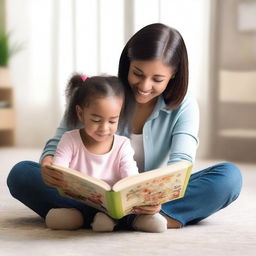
{"x":148,"y":188}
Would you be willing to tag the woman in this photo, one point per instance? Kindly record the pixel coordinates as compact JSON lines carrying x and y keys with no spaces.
{"x":154,"y":68}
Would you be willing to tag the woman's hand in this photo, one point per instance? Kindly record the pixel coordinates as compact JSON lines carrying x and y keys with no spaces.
{"x":51,"y":177}
{"x":147,"y":209}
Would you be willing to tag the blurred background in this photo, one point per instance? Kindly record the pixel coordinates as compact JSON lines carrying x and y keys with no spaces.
{"x":56,"y":38}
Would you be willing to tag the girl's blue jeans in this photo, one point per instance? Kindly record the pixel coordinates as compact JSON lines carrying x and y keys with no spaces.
{"x":208,"y":191}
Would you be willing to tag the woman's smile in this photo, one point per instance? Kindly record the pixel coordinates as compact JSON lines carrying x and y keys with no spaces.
{"x":148,"y":79}
{"x":143,"y":93}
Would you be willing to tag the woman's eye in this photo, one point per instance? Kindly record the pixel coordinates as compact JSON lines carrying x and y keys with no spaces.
{"x":154,"y":79}
{"x":157,"y":80}
{"x":137,"y":74}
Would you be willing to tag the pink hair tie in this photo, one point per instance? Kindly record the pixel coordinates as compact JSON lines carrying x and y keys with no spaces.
{"x":83,"y":77}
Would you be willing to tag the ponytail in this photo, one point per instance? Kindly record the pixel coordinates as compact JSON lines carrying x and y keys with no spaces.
{"x":74,"y":83}
{"x":74,"y":86}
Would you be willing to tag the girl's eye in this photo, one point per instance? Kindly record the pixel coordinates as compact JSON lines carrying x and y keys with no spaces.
{"x":95,"y":121}
{"x":112,"y":122}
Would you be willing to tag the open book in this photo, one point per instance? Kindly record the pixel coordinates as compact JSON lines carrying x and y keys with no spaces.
{"x":148,"y":188}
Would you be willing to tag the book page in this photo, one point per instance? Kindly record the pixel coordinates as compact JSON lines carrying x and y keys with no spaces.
{"x":77,"y":187}
{"x":131,"y":180}
{"x":155,"y":191}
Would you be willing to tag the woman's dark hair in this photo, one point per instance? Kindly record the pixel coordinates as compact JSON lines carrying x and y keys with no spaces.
{"x":82,"y":92}
{"x":158,"y":41}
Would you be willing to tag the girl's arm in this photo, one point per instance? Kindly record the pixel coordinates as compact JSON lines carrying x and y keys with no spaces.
{"x":128,"y":165}
{"x":50,"y":177}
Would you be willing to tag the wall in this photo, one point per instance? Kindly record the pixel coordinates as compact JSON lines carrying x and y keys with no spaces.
{"x":234,"y":87}
{"x":237,"y":49}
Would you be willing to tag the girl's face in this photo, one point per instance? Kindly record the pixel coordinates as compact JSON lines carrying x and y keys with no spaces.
{"x":101,"y":117}
{"x":148,"y":79}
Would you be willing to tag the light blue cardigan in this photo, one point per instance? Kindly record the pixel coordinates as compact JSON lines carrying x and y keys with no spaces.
{"x":168,"y":135}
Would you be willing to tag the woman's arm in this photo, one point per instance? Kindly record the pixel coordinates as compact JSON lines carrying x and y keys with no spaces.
{"x":51,"y":144}
{"x":184,"y":142}
{"x":185,"y":133}
{"x":62,"y":157}
{"x":65,"y":150}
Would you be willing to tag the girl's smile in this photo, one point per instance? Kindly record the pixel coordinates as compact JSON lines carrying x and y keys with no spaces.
{"x":101,"y":117}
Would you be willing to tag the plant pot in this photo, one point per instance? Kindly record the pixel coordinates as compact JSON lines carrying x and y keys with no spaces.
{"x":5,"y":77}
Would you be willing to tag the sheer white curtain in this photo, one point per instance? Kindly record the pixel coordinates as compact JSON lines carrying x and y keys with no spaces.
{"x":63,"y":36}
{"x":31,"y":23}
{"x":60,"y":37}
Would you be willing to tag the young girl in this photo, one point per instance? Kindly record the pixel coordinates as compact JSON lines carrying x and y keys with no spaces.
{"x":96,"y":103}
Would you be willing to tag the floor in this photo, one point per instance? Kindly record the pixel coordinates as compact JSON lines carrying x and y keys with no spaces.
{"x":231,"y":231}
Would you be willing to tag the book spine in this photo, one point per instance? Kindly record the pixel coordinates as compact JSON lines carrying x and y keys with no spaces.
{"x":186,"y":181}
{"x":114,"y":204}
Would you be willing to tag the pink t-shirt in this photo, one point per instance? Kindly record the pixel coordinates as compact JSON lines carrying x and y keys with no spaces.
{"x":110,"y":167}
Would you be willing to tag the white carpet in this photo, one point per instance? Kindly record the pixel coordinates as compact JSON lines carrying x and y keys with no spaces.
{"x":231,"y":231}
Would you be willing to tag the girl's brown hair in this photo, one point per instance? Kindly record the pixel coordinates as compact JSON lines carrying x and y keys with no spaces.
{"x":82,"y":92}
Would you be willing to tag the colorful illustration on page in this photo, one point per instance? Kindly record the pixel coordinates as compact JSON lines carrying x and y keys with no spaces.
{"x":82,"y":191}
{"x":156,"y":191}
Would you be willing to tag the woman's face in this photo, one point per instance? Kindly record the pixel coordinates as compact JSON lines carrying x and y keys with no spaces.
{"x":148,"y":79}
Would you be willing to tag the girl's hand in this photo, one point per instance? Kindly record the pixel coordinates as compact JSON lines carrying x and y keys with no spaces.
{"x":147,"y":209}
{"x":51,"y":177}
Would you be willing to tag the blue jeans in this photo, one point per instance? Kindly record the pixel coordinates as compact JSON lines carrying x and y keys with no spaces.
{"x":208,"y":191}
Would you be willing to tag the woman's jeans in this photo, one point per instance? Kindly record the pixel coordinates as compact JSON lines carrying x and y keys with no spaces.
{"x":207,"y":192}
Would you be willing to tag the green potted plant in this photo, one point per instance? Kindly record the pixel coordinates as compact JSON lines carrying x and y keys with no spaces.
{"x":6,"y":52}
